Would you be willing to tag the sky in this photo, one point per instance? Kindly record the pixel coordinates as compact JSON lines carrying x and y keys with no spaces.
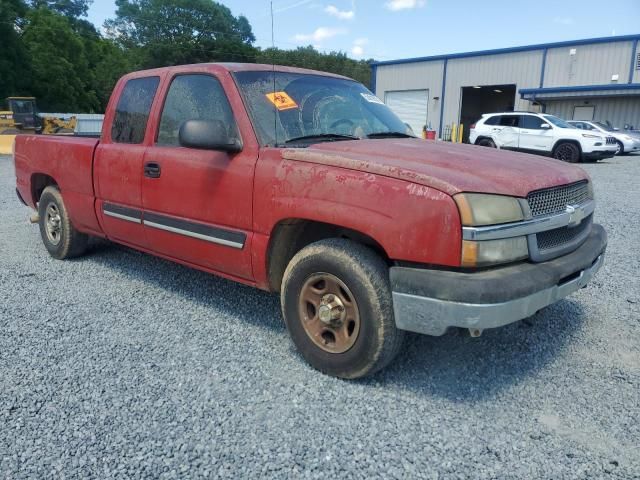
{"x":392,"y":29}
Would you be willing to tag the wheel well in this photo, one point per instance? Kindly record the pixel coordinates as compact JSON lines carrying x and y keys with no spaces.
{"x":40,"y":181}
{"x":561,"y":141}
{"x":290,"y":236}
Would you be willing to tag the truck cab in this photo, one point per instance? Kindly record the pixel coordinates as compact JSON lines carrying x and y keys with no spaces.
{"x":305,"y":184}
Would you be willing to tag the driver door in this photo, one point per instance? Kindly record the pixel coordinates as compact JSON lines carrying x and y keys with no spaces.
{"x":198,"y":203}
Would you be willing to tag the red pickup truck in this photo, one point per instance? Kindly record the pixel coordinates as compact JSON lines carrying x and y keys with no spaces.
{"x":305,"y":183}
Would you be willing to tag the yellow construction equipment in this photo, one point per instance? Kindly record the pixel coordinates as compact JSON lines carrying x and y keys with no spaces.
{"x":58,"y":125}
{"x":21,"y":116}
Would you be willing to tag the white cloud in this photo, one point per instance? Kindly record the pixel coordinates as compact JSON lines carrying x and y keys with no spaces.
{"x":396,"y":5}
{"x":563,"y":20}
{"x":319,"y":35}
{"x":357,"y":50}
{"x":340,"y":14}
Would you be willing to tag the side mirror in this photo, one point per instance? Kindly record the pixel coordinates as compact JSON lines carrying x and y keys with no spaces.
{"x":208,"y":135}
{"x":545,"y":126}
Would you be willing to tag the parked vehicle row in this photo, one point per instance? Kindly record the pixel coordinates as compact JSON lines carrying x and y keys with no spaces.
{"x":541,"y":134}
{"x":626,"y":142}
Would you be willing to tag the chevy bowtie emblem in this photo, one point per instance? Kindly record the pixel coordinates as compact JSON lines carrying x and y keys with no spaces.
{"x":576,"y":215}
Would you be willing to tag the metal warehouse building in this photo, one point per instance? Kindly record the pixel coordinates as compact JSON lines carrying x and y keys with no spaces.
{"x":595,"y":79}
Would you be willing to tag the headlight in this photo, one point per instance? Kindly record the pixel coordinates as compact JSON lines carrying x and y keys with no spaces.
{"x":588,"y":135}
{"x":493,"y":252}
{"x":477,"y":209}
{"x":627,"y":138}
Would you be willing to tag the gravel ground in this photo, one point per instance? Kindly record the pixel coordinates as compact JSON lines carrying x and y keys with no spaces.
{"x":119,"y":364}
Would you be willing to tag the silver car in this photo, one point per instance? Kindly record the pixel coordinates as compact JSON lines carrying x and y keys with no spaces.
{"x":626,"y":142}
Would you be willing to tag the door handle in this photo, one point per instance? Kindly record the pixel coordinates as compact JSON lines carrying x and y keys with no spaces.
{"x":152,"y":170}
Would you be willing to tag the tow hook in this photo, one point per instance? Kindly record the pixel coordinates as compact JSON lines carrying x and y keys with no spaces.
{"x":475,"y":332}
{"x":34,"y":218}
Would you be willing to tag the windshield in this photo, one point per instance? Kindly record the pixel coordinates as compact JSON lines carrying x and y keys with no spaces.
{"x":604,"y":126}
{"x":302,"y":108}
{"x":21,"y":106}
{"x":558,"y":122}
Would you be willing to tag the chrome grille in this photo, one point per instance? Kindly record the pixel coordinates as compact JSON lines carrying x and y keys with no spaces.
{"x":555,"y":200}
{"x":562,"y":236}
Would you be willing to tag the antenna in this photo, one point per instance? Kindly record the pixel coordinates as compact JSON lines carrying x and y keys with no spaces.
{"x":273,"y":73}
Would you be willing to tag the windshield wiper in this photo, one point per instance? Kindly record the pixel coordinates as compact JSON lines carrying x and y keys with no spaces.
{"x":389,"y":135}
{"x":326,"y":137}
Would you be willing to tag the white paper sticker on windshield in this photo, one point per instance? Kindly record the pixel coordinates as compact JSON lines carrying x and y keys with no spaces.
{"x":371,"y":98}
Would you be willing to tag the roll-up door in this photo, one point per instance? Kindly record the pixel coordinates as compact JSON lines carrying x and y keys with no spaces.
{"x":411,"y":106}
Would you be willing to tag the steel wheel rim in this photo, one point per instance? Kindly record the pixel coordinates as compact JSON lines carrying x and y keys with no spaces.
{"x":53,"y":224}
{"x":329,"y":313}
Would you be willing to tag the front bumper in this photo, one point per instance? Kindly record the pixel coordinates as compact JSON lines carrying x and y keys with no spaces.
{"x":599,"y":154}
{"x":431,"y":301}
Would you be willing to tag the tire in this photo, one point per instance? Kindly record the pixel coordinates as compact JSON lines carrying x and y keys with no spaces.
{"x":567,"y":152}
{"x":620,"y":150}
{"x":486,"y":142}
{"x":360,"y":279}
{"x":59,"y":236}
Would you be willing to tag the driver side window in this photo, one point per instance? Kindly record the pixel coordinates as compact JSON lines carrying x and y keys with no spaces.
{"x":193,"y":97}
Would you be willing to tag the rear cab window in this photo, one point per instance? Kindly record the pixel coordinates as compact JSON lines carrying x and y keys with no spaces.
{"x":132,"y":112}
{"x":494,"y":120}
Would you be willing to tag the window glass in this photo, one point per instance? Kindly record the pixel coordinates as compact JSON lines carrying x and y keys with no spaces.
{"x":532,"y":122}
{"x":605,"y":127}
{"x":495,"y":120}
{"x":286,"y":106}
{"x":21,"y":106}
{"x":558,"y":122}
{"x":509,"y":120}
{"x":132,"y":112}
{"x":193,"y":97}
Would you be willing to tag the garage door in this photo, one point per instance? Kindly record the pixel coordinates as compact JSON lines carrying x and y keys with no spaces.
{"x":411,"y":106}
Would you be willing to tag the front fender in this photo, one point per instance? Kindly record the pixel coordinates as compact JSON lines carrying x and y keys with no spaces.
{"x":411,"y":222}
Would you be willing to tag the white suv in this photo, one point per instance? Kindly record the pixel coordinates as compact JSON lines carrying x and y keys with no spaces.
{"x":542,"y":134}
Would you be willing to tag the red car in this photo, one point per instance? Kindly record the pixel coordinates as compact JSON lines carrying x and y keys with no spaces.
{"x":305,"y":183}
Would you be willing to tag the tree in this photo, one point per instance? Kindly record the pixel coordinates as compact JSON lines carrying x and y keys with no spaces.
{"x":13,"y":63}
{"x":170,"y":32}
{"x":68,"y":8}
{"x":60,"y":70}
{"x":309,"y":57}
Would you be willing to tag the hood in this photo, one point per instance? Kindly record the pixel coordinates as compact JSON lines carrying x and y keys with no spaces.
{"x":450,"y":168}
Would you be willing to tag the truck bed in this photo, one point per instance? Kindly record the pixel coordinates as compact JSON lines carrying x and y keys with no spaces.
{"x":69,"y":160}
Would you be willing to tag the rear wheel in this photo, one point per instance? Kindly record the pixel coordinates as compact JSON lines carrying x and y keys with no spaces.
{"x":486,"y":142}
{"x":567,"y":152}
{"x":59,"y":236}
{"x":336,"y":302}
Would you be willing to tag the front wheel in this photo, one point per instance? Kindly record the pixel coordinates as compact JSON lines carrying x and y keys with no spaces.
{"x":59,"y":236}
{"x":619,"y":148}
{"x":567,"y":152}
{"x":336,"y":303}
